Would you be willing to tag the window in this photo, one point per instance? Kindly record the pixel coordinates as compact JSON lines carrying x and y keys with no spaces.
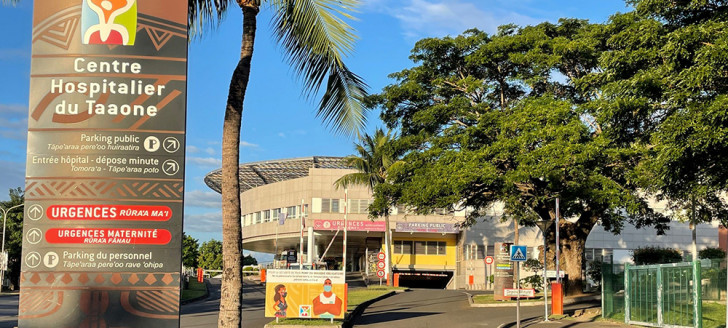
{"x":431,"y":247}
{"x":256,"y":217}
{"x":276,"y":213}
{"x":363,"y":206}
{"x":421,"y":248}
{"x":266,"y":216}
{"x":403,"y":247}
{"x":326,"y":205}
{"x":291,"y":211}
{"x":441,"y":248}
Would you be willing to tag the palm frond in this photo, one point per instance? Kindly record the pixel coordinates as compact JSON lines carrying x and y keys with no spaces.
{"x":316,"y":37}
{"x":202,"y":15}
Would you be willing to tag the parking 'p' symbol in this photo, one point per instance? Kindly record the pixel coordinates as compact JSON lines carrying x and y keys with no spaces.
{"x":151,"y":144}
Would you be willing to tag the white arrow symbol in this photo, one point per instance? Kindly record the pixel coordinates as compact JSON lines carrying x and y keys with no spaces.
{"x":170,"y":167}
{"x":35,"y":212}
{"x":34,"y":236}
{"x":33,"y":259}
{"x":171,"y":144}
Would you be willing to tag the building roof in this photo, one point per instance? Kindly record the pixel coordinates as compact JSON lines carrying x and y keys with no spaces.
{"x":256,"y":174}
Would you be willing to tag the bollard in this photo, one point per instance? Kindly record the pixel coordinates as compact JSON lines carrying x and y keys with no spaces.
{"x":396,"y":280}
{"x":262,"y":275}
{"x":557,"y":298}
{"x":200,"y":275}
{"x":471,"y":280}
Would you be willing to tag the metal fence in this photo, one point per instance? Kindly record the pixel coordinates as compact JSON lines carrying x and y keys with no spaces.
{"x":664,"y":295}
{"x":612,"y":291}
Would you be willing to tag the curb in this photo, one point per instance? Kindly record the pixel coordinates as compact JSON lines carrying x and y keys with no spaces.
{"x":567,"y":301}
{"x":206,"y":295}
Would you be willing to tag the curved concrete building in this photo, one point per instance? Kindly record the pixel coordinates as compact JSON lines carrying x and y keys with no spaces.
{"x":425,"y":247}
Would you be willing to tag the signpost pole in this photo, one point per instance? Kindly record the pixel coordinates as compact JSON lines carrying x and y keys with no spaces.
{"x":544,"y":225}
{"x":558,"y":277}
{"x":5,"y":257}
{"x":545,"y":283}
{"x":346,"y":223}
{"x":300,"y":253}
{"x":518,"y":295}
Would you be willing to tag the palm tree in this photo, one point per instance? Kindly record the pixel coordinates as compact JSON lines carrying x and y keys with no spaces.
{"x":375,"y":157}
{"x":316,"y":38}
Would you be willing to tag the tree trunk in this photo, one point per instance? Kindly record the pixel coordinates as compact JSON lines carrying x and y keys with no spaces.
{"x":231,"y":294}
{"x":572,"y":256}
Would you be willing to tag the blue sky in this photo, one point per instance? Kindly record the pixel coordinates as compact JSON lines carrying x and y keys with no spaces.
{"x":277,"y":122}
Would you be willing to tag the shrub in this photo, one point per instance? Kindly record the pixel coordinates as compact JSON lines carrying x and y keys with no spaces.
{"x":655,"y":255}
{"x":711,"y":253}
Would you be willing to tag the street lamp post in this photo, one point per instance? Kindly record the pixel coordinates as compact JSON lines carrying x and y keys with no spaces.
{"x":544,"y":226}
{"x":2,"y":269}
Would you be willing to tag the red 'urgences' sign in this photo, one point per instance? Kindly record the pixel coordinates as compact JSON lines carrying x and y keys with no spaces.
{"x":109,"y":212}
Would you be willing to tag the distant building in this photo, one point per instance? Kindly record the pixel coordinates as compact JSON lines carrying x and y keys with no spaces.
{"x":425,"y":247}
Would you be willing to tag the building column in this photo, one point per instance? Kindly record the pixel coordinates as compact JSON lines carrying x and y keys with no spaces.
{"x":309,"y":259}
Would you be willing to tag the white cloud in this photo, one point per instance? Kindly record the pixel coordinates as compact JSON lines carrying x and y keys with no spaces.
{"x":14,"y":121}
{"x":205,"y":222}
{"x":205,"y":161}
{"x":12,"y":175}
{"x":200,"y":198}
{"x":192,"y":150}
{"x":210,"y":151}
{"x":13,"y":109}
{"x":437,"y":18}
{"x":281,"y":134}
{"x":245,"y":144}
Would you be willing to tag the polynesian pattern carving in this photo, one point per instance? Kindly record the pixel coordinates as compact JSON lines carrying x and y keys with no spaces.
{"x":60,"y":28}
{"x":100,"y":280}
{"x":39,"y":189}
{"x":159,"y":304}
{"x":39,"y":303}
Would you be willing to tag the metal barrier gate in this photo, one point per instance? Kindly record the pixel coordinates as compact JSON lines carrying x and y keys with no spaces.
{"x":663,"y":295}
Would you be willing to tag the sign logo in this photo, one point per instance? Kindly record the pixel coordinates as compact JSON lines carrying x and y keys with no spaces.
{"x":112,"y":22}
{"x":304,"y":311}
{"x":518,"y":253}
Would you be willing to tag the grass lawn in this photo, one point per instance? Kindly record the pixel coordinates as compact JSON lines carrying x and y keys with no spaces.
{"x":194,"y":289}
{"x":488,"y":299}
{"x":713,"y":315}
{"x":361,"y":295}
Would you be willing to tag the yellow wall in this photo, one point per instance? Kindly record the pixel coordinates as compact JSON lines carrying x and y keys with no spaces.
{"x":426,"y":262}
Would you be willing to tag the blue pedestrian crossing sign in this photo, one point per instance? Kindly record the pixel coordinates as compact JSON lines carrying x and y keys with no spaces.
{"x":518,"y":253}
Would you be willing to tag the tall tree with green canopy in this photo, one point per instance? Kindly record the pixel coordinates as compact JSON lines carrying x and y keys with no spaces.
{"x":375,"y":155}
{"x":485,"y":122}
{"x":315,"y":38}
{"x":14,"y":233}
{"x":190,"y":251}
{"x":665,"y":86}
{"x":211,"y":255}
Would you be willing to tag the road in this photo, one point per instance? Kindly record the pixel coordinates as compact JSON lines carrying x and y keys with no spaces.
{"x":204,"y":313}
{"x":416,"y":308}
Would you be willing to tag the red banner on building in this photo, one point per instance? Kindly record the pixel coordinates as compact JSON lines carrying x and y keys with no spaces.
{"x":352,"y":225}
